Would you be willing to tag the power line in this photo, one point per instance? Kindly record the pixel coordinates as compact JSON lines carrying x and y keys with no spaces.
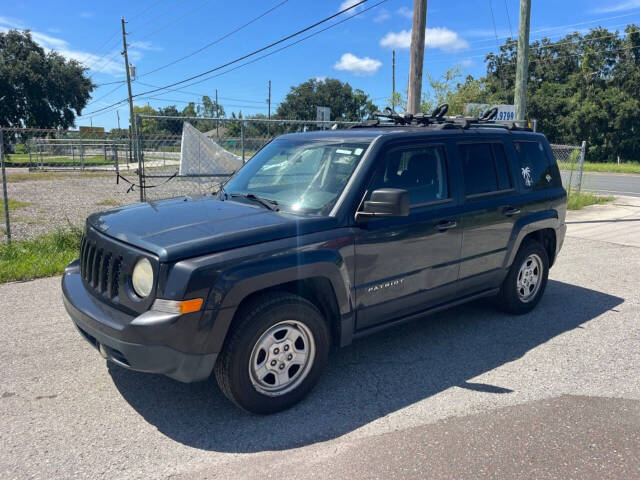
{"x":283,"y":47}
{"x":251,"y":53}
{"x":506,"y":7}
{"x":106,"y":94}
{"x":176,"y":20}
{"x":218,"y":40}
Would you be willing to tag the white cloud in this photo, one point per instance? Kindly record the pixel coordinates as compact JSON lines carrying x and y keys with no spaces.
{"x":438,"y":37}
{"x":356,"y":65}
{"x":620,"y":7}
{"x":405,"y":12}
{"x":320,"y":79}
{"x":86,"y":14}
{"x":349,"y":3}
{"x":382,"y":16}
{"x":109,"y":63}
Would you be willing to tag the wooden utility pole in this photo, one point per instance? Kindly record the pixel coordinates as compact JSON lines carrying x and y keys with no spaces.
{"x":417,"y":55}
{"x":269,"y":110}
{"x":522,"y":62}
{"x":132,"y":123}
{"x":217,"y":115}
{"x":393,"y":82}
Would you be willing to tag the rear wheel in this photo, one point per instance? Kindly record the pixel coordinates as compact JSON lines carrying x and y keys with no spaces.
{"x":274,"y":355}
{"x":524,"y":285}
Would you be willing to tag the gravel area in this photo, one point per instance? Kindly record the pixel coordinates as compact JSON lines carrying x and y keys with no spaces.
{"x":58,"y":199}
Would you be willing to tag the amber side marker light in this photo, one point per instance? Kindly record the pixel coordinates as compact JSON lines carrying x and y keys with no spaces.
{"x":177,"y":306}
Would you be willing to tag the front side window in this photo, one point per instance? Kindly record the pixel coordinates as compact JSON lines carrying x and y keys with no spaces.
{"x":300,"y":175}
{"x":485,"y":168}
{"x":421,"y":171}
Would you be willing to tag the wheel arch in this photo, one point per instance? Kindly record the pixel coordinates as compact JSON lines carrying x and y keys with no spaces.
{"x":541,"y":227}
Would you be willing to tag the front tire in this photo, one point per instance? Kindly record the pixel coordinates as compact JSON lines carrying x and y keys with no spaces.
{"x":274,"y":355}
{"x":526,"y":281}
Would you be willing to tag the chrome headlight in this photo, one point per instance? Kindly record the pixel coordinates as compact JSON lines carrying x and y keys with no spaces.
{"x":142,"y":278}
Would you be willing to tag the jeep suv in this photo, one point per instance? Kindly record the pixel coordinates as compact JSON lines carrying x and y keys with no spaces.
{"x":321,"y":238}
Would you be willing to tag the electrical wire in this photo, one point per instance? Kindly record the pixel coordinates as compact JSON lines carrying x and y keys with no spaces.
{"x":173,"y":22}
{"x":220,"y":67}
{"x":506,"y":7}
{"x":218,"y":40}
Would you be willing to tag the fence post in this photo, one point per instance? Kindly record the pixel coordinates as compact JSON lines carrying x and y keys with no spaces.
{"x":137,"y":151}
{"x":4,"y":189}
{"x":583,"y":151}
{"x":242,"y":139}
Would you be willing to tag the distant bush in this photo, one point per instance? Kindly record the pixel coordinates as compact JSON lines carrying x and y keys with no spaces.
{"x":20,"y":148}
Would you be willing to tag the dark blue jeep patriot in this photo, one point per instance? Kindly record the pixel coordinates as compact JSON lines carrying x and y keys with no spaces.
{"x":319,"y":239}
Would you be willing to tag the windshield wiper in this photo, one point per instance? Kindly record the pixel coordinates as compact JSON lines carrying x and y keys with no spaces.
{"x":266,"y":202}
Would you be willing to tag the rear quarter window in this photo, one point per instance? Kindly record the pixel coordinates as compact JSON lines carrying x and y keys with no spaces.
{"x":538,"y":171}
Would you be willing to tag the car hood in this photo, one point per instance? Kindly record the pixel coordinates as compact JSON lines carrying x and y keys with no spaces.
{"x":190,"y":226}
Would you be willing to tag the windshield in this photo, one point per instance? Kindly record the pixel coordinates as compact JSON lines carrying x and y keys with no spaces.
{"x":300,"y":175}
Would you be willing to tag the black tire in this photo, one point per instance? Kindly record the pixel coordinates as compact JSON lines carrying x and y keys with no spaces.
{"x":233,"y":366}
{"x":508,"y":299}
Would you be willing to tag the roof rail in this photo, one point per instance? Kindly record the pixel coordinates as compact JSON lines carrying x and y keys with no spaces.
{"x":438,"y":120}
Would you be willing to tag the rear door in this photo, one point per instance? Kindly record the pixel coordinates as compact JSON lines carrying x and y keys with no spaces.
{"x":406,"y":264}
{"x":491,"y":208}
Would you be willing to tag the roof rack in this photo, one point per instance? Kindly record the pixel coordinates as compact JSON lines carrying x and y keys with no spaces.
{"x":438,"y":120}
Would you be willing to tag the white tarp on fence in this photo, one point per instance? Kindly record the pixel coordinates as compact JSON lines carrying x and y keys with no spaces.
{"x":201,"y":155}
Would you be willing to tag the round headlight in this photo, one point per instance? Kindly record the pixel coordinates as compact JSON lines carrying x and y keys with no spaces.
{"x":142,"y":278}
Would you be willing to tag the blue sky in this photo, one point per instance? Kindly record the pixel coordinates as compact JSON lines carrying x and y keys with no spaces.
{"x":358,"y":50}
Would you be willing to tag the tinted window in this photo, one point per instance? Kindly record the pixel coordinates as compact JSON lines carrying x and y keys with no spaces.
{"x":502,"y":167}
{"x":478,"y":168}
{"x":421,"y":171}
{"x":536,"y":169}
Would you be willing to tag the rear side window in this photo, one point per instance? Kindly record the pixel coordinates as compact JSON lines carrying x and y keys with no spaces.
{"x":537,"y":170}
{"x":485,"y":168}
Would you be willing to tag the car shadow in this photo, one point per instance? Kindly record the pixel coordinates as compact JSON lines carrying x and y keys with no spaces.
{"x":373,"y":377}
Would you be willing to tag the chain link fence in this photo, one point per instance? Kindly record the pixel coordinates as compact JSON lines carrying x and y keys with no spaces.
{"x":161,"y":176}
{"x":53,"y":179}
{"x":570,"y":159}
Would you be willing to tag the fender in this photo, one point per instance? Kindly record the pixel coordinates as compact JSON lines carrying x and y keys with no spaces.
{"x":226,"y":279}
{"x":526,"y":225}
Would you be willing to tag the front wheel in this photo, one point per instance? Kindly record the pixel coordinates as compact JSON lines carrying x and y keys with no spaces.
{"x":274,"y":355}
{"x":524,"y":285}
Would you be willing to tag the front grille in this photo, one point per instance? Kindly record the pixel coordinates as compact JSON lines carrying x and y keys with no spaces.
{"x":100,"y":268}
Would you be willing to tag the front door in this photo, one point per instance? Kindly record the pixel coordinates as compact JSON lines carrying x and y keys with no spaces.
{"x":406,"y":264}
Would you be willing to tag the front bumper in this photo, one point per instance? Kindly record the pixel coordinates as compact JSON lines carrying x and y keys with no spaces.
{"x":106,"y":328}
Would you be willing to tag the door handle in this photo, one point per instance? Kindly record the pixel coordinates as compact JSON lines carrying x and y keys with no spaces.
{"x":509,"y":211}
{"x":445,"y":225}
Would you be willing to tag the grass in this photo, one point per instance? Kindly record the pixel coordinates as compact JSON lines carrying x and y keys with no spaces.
{"x":18,"y":159}
{"x":578,"y":200}
{"x":41,"y":257}
{"x":13,"y":205}
{"x":39,"y":176}
{"x":626,"y":167}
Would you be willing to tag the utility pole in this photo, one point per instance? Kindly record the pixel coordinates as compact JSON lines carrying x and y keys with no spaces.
{"x":217,"y":114}
{"x":417,"y":55}
{"x":522,"y":62}
{"x":132,"y":124}
{"x":393,"y":82}
{"x":269,"y":110}
{"x":118,"y":115}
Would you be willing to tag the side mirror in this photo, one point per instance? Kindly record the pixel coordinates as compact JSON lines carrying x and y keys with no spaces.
{"x":386,"y":202}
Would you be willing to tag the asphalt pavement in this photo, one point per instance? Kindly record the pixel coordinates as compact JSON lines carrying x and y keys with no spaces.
{"x":467,"y":393}
{"x":607,"y":183}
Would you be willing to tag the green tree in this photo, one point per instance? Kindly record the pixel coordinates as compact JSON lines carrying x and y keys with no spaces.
{"x":211,"y":109}
{"x":580,"y":87}
{"x":171,"y":126}
{"x":345,"y":103}
{"x":148,"y":125}
{"x":39,"y":89}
